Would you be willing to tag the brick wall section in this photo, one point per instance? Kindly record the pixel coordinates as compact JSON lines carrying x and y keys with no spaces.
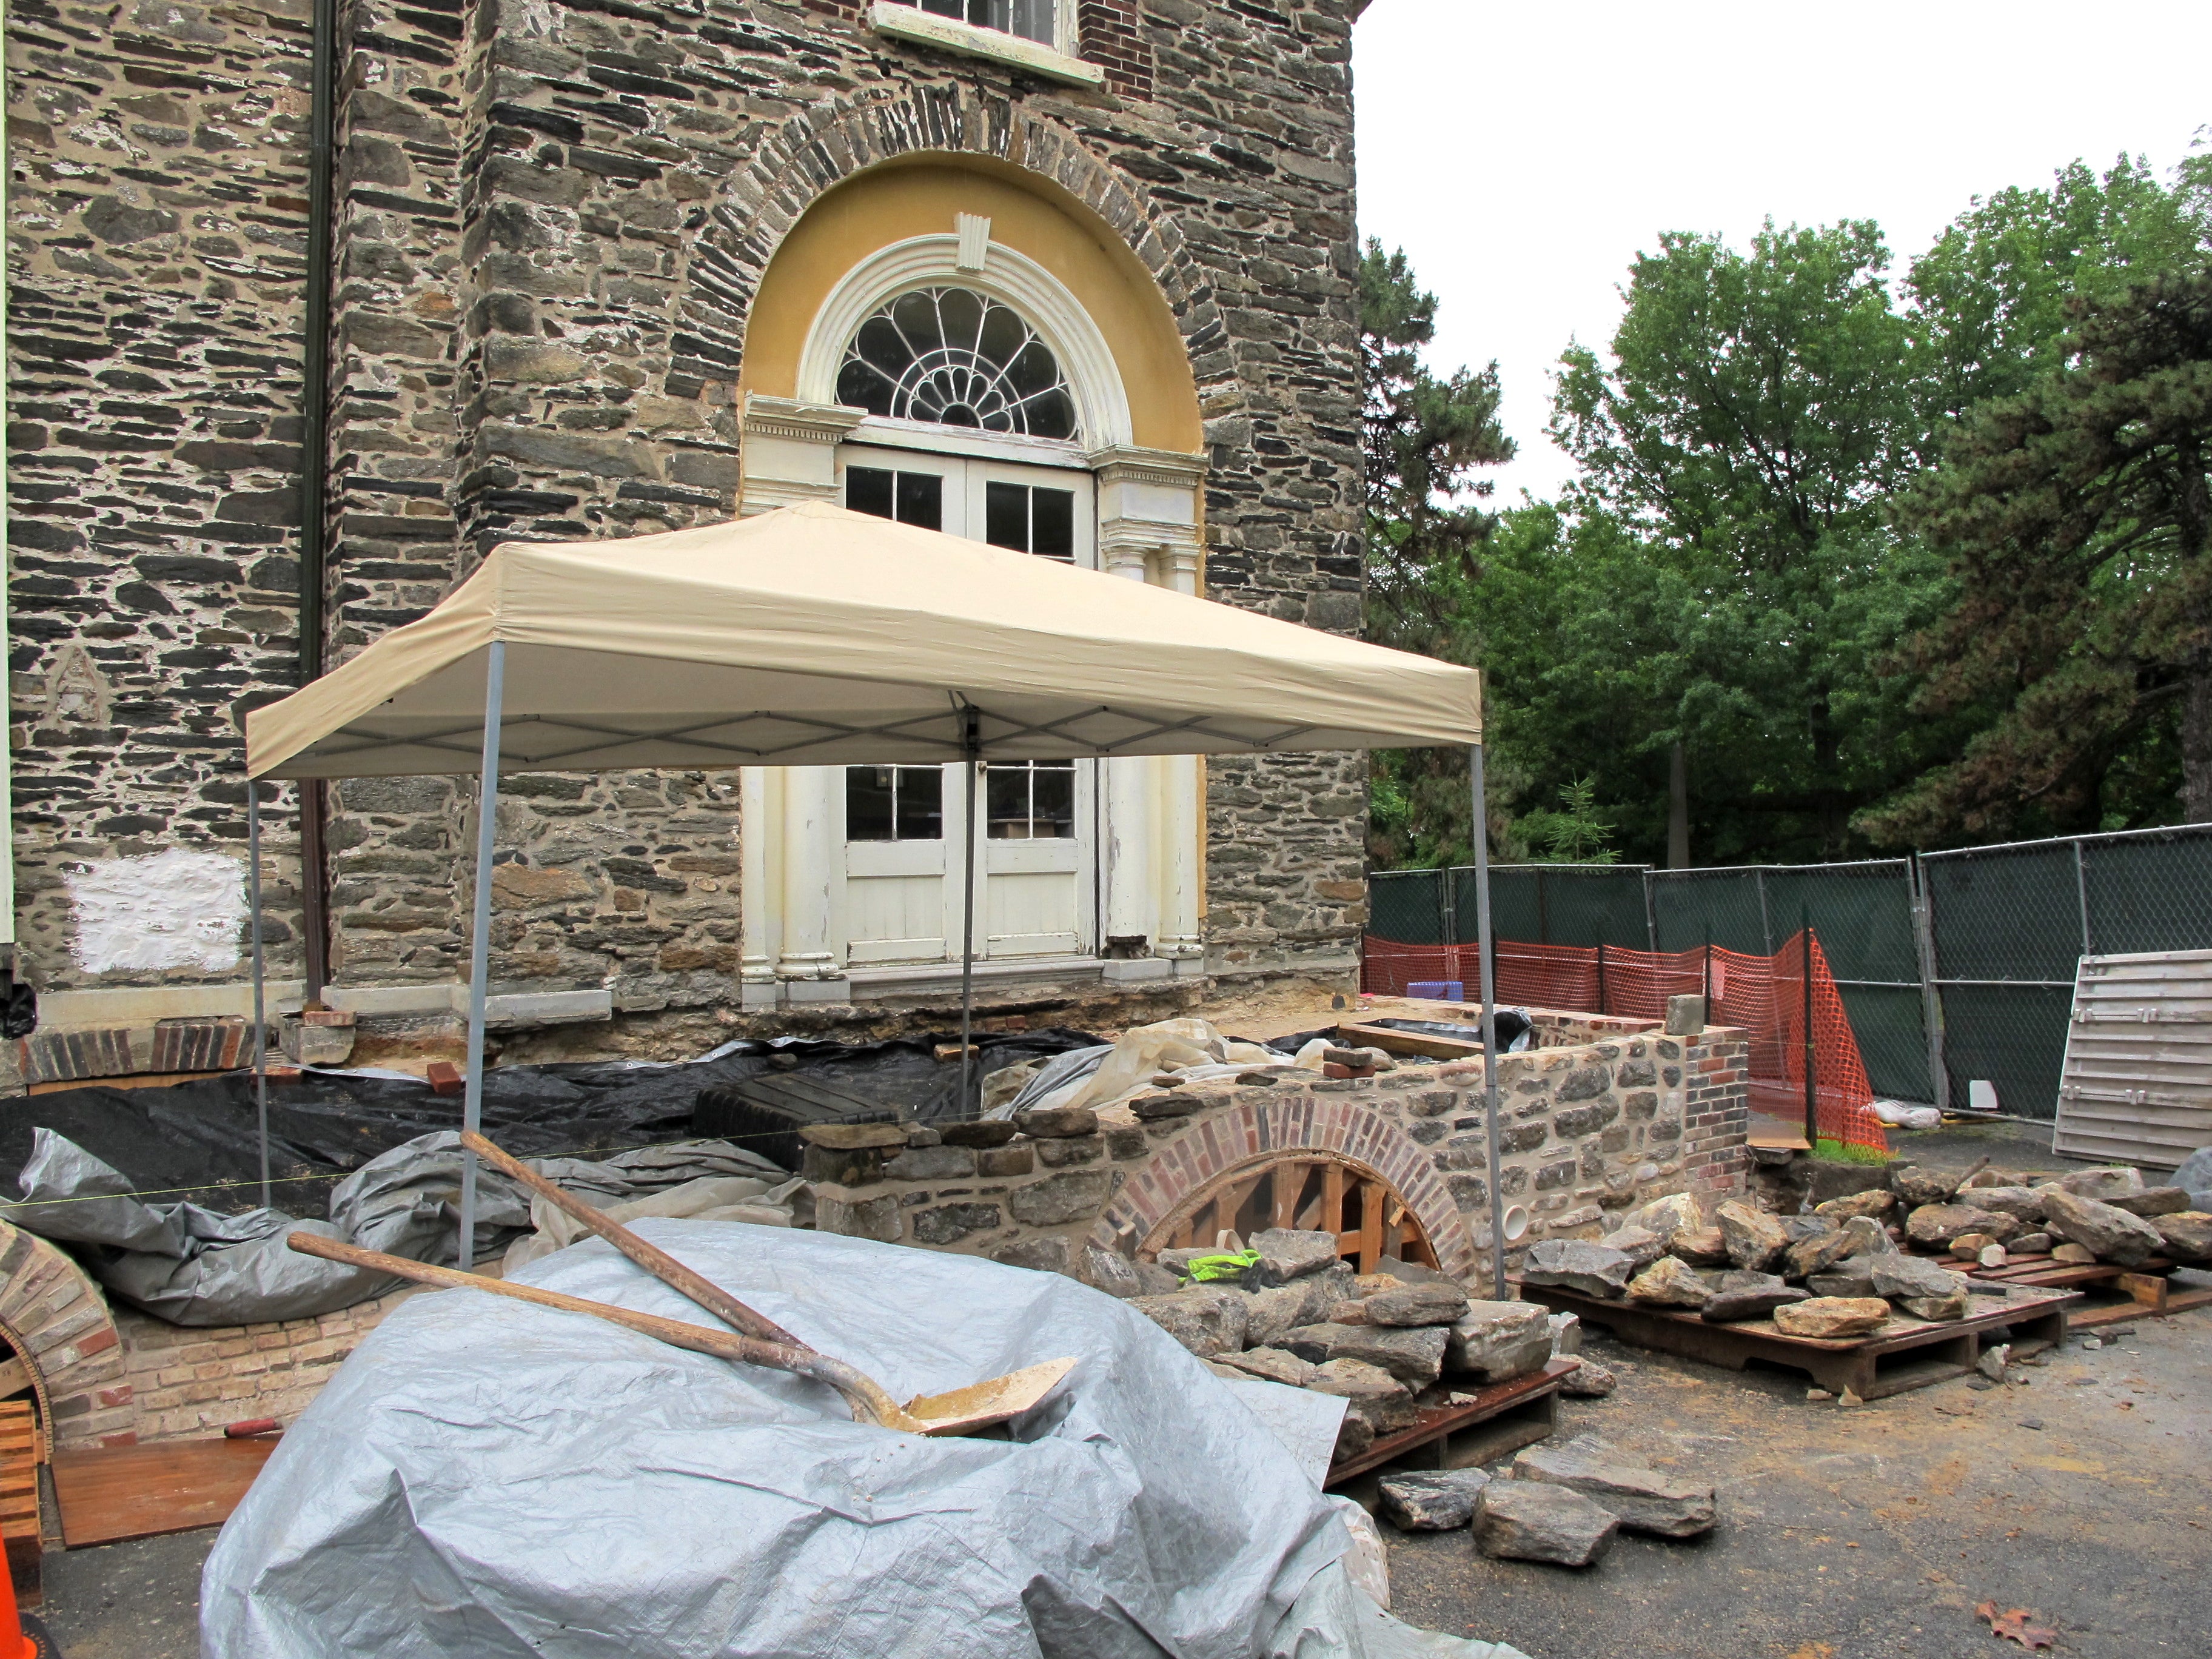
{"x":1110,"y":36}
{"x":1717,"y":1113}
{"x":549,"y":228}
{"x":188,"y":1383}
{"x":57,"y":1319}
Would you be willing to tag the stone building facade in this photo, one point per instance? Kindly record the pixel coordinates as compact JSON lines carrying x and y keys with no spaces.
{"x":602,"y":269}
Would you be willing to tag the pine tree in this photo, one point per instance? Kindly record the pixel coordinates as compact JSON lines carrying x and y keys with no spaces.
{"x":2078,"y":519}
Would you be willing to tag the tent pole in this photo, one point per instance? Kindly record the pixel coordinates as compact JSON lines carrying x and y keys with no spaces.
{"x":260,"y":1025}
{"x":480,"y":939}
{"x":1489,"y":971}
{"x":969,"y":748}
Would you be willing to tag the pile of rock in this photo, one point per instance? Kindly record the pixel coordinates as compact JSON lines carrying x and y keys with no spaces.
{"x":2109,"y":1214}
{"x":1563,"y":1504}
{"x":1834,"y":1273}
{"x":1391,"y":1344}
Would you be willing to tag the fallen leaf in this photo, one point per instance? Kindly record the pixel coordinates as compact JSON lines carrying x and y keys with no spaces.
{"x":1812,"y":1651}
{"x":2014,"y":1627}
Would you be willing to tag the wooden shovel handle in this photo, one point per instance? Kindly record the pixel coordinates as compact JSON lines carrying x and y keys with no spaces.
{"x":869,"y":1402}
{"x":661,"y":1265}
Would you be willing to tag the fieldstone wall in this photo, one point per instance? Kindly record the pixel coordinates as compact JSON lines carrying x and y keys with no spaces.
{"x":549,"y":225}
{"x":1589,"y":1131}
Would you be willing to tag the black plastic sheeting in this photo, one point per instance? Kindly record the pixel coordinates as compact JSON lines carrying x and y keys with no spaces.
{"x":198,"y":1141}
{"x":1512,"y":1026}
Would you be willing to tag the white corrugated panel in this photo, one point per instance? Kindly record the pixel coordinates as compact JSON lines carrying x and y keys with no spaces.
{"x":2136,"y":1087}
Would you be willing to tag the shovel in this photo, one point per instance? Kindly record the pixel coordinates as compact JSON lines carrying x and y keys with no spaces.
{"x":961,"y":1411}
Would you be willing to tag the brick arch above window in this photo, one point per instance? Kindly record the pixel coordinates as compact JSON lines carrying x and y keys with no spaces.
{"x":1182,"y":1169}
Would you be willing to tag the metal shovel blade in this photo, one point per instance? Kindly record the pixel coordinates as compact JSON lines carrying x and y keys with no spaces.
{"x":981,"y":1404}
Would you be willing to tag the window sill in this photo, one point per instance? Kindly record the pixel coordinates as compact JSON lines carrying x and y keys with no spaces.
{"x":925,"y":28}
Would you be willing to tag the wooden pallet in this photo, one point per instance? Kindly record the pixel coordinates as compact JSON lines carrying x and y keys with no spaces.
{"x":1906,"y":1353}
{"x":115,"y":1493}
{"x":21,"y":1444}
{"x":2148,"y":1289}
{"x":1433,"y":1430}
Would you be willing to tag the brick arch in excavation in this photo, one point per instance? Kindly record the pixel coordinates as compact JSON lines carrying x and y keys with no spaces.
{"x":814,"y":152}
{"x":1188,"y":1171}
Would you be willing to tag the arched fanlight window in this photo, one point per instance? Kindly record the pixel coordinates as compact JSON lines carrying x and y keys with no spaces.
{"x":956,"y":358}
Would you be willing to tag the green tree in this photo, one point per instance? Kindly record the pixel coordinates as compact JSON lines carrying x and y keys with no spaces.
{"x":2078,"y":516}
{"x":1427,"y":520}
{"x":1757,"y":411}
{"x":1989,"y":299}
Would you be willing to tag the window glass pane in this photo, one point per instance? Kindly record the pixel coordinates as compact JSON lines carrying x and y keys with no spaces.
{"x":1006,"y":516}
{"x":921,"y":500}
{"x":1052,"y":523}
{"x":921,"y":803}
{"x":1032,"y":19}
{"x":868,"y":490}
{"x":868,"y":803}
{"x":1007,"y":788}
{"x":956,"y":358}
{"x":943,"y":7}
{"x":1052,"y":786}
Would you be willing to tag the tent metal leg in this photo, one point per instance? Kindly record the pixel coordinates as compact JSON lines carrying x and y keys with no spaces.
{"x":260,"y":1019}
{"x":1489,"y":971}
{"x":480,"y":939}
{"x":968,"y":915}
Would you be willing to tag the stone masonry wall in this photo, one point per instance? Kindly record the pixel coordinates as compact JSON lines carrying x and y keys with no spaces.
{"x":549,"y":223}
{"x":1588,"y":1132}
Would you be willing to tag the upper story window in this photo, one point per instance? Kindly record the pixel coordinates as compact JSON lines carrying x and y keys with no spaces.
{"x":1037,"y":37}
{"x":954,"y":357}
{"x":1032,"y":19}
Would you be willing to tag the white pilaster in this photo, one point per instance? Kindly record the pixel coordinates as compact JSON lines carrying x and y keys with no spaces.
{"x":1148,"y":530}
{"x":789,"y":452}
{"x":813,"y":836}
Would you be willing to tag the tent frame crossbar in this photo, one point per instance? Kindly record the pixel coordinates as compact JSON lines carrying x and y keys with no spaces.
{"x":955,"y":749}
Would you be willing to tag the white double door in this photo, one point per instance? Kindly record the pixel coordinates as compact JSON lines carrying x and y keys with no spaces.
{"x":1036,"y":825}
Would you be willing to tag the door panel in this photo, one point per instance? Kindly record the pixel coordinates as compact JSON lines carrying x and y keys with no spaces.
{"x":1036,"y":857}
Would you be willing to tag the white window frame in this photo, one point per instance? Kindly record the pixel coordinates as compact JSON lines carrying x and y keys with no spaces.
{"x":911,"y":23}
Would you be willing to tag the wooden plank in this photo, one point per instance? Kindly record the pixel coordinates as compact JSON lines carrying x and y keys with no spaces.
{"x":2176,"y":1302}
{"x":1372,"y":1196}
{"x":118,"y":1492}
{"x":2148,"y":1290}
{"x":1773,"y":1137}
{"x":1435,"y":1426}
{"x":15,"y":1377}
{"x":1406,"y":1042}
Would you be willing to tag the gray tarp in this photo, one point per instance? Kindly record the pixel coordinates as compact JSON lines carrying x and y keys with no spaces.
{"x":486,"y":1479}
{"x":194,"y":1266}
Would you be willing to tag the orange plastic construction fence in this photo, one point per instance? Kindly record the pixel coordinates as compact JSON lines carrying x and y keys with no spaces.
{"x":1764,"y":995}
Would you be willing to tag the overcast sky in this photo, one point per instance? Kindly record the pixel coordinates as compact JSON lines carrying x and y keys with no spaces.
{"x":1522,"y":154}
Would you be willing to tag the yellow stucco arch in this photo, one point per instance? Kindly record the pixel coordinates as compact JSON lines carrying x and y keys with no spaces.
{"x":922,"y":196}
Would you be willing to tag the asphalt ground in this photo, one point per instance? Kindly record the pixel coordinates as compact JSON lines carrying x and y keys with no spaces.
{"x":2083,"y":1495}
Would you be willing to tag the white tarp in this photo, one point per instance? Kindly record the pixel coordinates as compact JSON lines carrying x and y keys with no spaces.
{"x":815,"y":636}
{"x":488,"y":1479}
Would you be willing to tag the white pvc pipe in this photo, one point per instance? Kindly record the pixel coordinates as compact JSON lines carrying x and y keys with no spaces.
{"x":480,"y":939}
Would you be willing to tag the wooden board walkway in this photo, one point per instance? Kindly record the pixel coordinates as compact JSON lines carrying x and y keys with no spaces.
{"x":1905,"y":1354}
{"x":113,"y":1492}
{"x":1434,"y":1429}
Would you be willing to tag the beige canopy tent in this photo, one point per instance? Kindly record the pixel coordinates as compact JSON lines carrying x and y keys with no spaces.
{"x":818,"y":636}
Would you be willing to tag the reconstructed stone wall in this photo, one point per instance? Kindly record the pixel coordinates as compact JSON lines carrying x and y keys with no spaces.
{"x":1589,"y":1131}
{"x":550,"y":222}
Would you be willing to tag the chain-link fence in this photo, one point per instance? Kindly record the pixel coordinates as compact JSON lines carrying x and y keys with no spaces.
{"x":1954,"y":967}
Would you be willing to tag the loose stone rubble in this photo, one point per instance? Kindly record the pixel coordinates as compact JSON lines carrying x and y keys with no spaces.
{"x":1534,"y":1520}
{"x":1644,"y":1500}
{"x":1433,"y":1502}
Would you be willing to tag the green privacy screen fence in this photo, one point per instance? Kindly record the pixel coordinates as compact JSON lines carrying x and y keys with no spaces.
{"x":1953,"y":966}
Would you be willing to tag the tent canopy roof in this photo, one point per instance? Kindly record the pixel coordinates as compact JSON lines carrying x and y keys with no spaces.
{"x":818,"y":636}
